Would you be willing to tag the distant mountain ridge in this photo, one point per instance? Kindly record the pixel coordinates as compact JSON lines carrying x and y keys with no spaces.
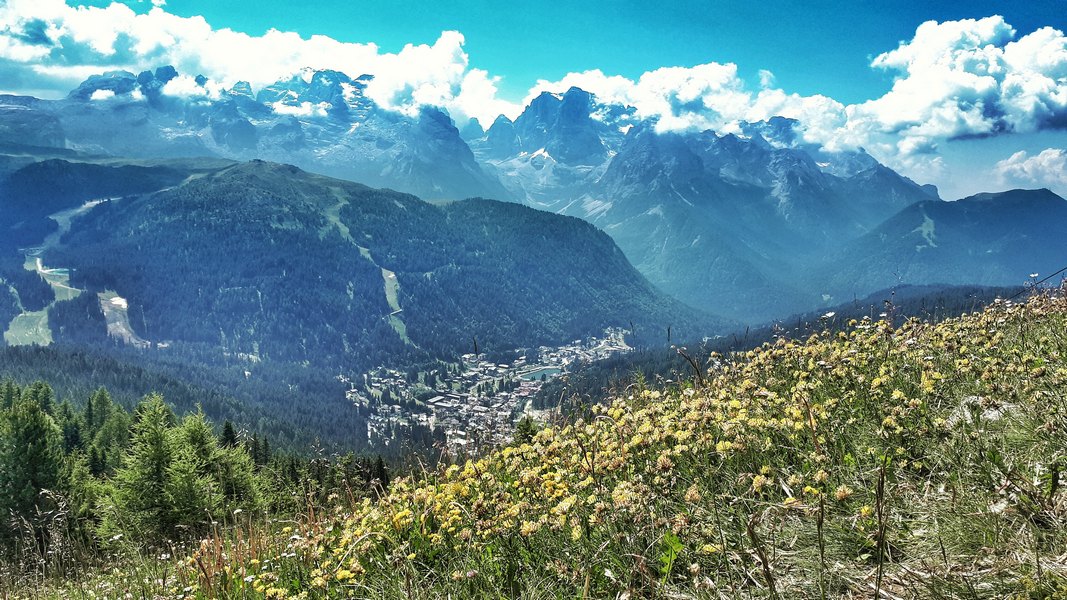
{"x":316,"y":119}
{"x":753,"y":224}
{"x":272,"y":263}
{"x":983,"y":239}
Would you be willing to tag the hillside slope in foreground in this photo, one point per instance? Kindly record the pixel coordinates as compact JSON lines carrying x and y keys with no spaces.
{"x":921,"y":461}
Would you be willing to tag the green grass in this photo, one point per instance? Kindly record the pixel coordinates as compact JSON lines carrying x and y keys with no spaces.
{"x":925,"y":461}
{"x":29,"y":328}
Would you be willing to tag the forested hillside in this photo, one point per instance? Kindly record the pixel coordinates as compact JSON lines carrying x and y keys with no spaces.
{"x":379,"y":275}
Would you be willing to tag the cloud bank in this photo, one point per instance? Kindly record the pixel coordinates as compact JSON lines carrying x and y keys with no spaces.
{"x":53,"y":47}
{"x":1045,"y":169}
{"x":955,"y":79}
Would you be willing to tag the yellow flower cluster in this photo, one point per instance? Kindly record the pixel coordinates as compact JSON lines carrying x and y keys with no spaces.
{"x":765,"y":432}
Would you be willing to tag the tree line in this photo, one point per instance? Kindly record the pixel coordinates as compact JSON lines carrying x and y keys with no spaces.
{"x":98,"y":475}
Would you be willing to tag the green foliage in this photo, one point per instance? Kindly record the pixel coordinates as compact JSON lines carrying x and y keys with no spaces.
{"x":31,"y":453}
{"x":174,"y":479}
{"x":192,"y":497}
{"x":139,"y":502}
{"x":507,"y":274}
{"x":85,"y":492}
{"x":79,"y":321}
{"x":93,"y":481}
{"x":229,"y":434}
{"x":525,"y":430}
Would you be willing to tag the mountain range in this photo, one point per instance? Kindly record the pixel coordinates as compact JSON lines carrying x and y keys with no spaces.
{"x":750,"y":225}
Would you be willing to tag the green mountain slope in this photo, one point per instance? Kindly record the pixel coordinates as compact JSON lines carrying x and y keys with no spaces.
{"x":272,"y":263}
{"x":987,"y":239}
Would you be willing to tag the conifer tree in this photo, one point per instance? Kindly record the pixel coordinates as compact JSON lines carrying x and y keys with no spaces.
{"x":525,"y":430}
{"x":380,"y":474}
{"x":31,"y":454}
{"x":196,"y":434}
{"x":264,"y":453}
{"x":9,"y":393}
{"x":70,"y":425}
{"x":97,"y":410}
{"x":230,"y":470}
{"x":236,"y":475}
{"x":229,"y":434}
{"x":41,"y":393}
{"x":192,"y":497}
{"x":113,"y":437}
{"x":141,"y":484}
{"x":84,"y":494}
{"x":89,"y":416}
{"x":97,"y":462}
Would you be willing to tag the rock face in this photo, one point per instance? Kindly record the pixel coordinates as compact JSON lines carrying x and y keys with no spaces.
{"x":734,"y":223}
{"x":753,"y":224}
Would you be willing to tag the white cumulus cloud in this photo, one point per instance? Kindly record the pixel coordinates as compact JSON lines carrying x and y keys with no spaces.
{"x":1046,"y":169}
{"x":185,"y":86}
{"x":970,"y":78}
{"x":56,"y":46}
{"x":954,"y":79}
{"x":102,"y":95}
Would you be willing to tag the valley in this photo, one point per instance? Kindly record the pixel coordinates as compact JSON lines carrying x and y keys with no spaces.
{"x":384,"y":281}
{"x":32,"y":327}
{"x":472,"y":402}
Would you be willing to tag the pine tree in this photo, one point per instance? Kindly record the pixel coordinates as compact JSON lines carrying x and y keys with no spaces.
{"x":141,"y":484}
{"x":192,"y":497}
{"x":196,"y":434}
{"x":113,"y":436}
{"x":9,"y":393}
{"x":102,"y":406}
{"x":380,"y":474}
{"x":97,"y":462}
{"x":229,"y":470}
{"x":253,"y":447}
{"x":41,"y":393}
{"x":84,"y":494}
{"x":235,"y":473}
{"x":31,"y":454}
{"x":525,"y":430}
{"x":229,"y":435}
{"x":264,"y":453}
{"x":89,"y":416}
{"x":97,"y":409}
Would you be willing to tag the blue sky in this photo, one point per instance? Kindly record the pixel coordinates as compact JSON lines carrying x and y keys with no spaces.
{"x":970,"y":96}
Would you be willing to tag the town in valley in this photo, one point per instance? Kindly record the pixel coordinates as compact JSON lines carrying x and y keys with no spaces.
{"x":476,"y":402}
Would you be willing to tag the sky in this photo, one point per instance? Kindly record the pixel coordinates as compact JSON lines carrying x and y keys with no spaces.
{"x":970,"y":96}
